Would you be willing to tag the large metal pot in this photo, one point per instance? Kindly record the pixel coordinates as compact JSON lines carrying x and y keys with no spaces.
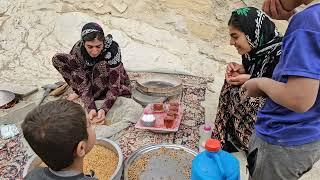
{"x":35,"y":161}
{"x":161,"y":165}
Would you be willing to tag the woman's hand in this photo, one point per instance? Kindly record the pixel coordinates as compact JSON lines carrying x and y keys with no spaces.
{"x":230,"y":68}
{"x":101,"y":115}
{"x":239,"y":68}
{"x":92,"y":114}
{"x":239,"y":79}
{"x":234,"y":69}
{"x":98,"y":118}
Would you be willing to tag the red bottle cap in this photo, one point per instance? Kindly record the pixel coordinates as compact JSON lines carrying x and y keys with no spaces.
{"x":213,"y":145}
{"x":207,"y":127}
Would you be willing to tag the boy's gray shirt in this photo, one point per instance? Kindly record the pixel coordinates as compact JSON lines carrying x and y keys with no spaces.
{"x":45,"y":174}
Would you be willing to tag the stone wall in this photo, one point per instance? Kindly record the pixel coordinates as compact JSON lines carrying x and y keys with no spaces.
{"x":174,"y":36}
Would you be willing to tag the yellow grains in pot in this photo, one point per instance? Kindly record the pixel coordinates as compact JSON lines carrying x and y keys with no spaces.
{"x":138,"y":167}
{"x":102,"y":161}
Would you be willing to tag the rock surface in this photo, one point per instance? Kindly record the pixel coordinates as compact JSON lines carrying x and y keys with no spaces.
{"x":174,"y":36}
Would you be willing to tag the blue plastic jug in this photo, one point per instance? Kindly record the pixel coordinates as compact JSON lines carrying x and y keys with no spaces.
{"x":215,"y":164}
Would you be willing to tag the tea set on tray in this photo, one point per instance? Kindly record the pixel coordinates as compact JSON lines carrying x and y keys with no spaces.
{"x":161,"y":117}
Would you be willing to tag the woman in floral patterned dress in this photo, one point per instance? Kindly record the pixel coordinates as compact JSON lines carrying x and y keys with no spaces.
{"x":94,"y":71}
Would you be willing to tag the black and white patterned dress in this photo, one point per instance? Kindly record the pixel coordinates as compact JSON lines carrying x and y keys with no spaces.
{"x":236,"y":118}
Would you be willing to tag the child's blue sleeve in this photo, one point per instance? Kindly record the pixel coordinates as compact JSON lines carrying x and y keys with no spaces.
{"x":301,"y":54}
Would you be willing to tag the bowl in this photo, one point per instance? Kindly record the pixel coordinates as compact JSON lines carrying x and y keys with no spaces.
{"x":35,"y":161}
{"x":149,"y":124}
{"x":149,"y":121}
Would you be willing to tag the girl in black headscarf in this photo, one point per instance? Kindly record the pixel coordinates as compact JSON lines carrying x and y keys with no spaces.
{"x":257,"y":40}
{"x":94,"y":70}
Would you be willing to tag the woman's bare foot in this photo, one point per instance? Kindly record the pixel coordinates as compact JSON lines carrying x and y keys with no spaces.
{"x":72,"y":97}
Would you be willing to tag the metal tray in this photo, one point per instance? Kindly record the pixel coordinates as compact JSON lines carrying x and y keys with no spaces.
{"x":145,"y":99}
{"x":162,"y":166}
{"x":162,"y":85}
{"x":6,"y":97}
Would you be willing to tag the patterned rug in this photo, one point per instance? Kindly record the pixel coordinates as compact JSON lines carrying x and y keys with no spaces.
{"x":13,"y":157}
{"x":13,"y":154}
{"x":193,"y":93}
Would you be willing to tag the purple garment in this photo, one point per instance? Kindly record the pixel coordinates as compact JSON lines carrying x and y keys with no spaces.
{"x":300,"y":57}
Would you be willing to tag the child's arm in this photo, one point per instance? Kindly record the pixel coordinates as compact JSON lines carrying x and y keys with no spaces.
{"x":298,"y":94}
{"x":274,"y":9}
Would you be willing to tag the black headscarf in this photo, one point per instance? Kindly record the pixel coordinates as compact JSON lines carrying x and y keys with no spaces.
{"x":264,"y":39}
{"x":110,"y":52}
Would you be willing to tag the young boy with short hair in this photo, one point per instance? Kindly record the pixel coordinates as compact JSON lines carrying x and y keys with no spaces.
{"x":60,"y":134}
{"x":286,"y":142}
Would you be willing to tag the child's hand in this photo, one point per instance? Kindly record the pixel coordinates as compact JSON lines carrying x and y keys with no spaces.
{"x":251,"y":89}
{"x":274,"y":9}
